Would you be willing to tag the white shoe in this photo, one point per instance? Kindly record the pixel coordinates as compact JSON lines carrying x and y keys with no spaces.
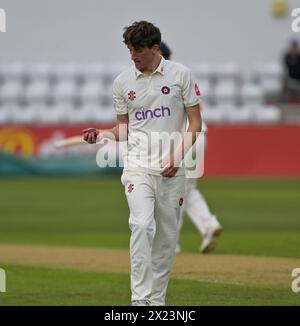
{"x":209,"y":241}
{"x":140,"y":303}
{"x":177,"y":249}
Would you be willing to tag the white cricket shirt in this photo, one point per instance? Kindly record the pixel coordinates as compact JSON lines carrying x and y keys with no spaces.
{"x":155,"y":105}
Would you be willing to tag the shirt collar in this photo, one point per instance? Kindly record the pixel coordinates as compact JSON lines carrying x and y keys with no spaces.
{"x":159,"y":69}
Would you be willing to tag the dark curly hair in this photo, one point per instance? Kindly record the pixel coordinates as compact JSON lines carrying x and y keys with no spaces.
{"x":142,"y":34}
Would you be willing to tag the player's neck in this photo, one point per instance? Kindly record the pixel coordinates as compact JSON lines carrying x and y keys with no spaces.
{"x":153,"y":65}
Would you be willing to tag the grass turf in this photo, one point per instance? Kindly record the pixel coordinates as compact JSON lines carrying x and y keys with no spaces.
{"x":45,"y":286}
{"x":260,"y":216}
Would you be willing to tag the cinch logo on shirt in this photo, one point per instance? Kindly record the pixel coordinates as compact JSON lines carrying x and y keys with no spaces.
{"x":142,"y":114}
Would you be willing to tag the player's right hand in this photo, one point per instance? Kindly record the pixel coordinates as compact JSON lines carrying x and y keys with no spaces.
{"x":90,"y":135}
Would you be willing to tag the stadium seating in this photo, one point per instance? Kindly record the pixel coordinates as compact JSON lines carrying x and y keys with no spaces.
{"x":213,"y":114}
{"x":226,"y":93}
{"x":266,"y":113}
{"x":241,"y":114}
{"x":269,"y":76}
{"x":228,"y":72}
{"x":74,"y":93}
{"x":11,"y":91}
{"x":38,"y":92}
{"x":251,"y":94}
{"x":6,"y":114}
{"x":204,"y":71}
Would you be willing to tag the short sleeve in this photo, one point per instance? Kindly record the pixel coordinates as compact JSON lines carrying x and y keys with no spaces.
{"x":190,"y":90}
{"x":120,"y":104}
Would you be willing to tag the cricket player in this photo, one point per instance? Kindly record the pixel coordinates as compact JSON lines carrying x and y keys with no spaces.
{"x":194,"y":203}
{"x":154,"y":98}
{"x":196,"y":207}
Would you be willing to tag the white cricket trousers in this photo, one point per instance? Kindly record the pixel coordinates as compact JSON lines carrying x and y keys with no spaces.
{"x":196,"y":207}
{"x":154,"y":203}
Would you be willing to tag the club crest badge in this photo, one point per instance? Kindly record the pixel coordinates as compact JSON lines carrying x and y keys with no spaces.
{"x":131,"y":95}
{"x":165,"y":90}
{"x":130,"y":187}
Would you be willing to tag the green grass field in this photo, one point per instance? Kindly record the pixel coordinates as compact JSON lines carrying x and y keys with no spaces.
{"x":260,"y":218}
{"x":66,"y":287}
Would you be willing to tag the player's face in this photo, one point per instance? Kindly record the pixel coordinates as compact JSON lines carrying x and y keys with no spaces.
{"x":143,"y":57}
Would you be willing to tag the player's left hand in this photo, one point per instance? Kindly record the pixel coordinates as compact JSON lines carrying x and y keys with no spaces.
{"x":170,"y":169}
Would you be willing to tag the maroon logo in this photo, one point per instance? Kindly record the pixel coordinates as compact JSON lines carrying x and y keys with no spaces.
{"x":197,"y":90}
{"x":180,"y":201}
{"x":165,"y":90}
{"x":131,"y":187}
{"x":131,"y":95}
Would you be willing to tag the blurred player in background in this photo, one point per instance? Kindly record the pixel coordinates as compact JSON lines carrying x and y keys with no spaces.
{"x":154,"y":96}
{"x":291,"y":61}
{"x":194,"y":204}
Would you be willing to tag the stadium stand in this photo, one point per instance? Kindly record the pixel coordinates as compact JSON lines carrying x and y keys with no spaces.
{"x":74,"y":93}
